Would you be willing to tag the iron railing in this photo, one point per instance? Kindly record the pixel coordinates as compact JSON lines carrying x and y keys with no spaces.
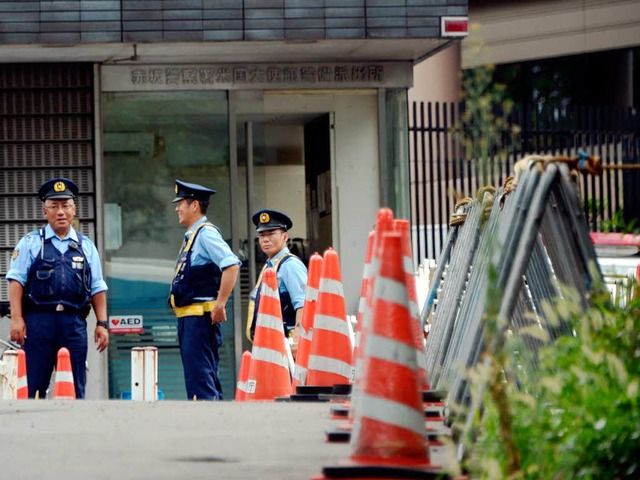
{"x":443,"y":168}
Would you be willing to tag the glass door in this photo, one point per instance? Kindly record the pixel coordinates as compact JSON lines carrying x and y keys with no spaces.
{"x":149,"y":140}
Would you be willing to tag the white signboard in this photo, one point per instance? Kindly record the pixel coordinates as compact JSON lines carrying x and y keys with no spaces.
{"x":125,"y":324}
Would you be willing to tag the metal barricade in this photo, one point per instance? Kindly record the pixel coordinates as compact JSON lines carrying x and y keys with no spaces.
{"x":535,"y":239}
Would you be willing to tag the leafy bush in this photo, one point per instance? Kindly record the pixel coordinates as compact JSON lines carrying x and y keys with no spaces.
{"x":575,"y":413}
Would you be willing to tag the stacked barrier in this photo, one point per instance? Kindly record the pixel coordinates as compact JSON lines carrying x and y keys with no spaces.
{"x":534,"y":239}
{"x":508,"y":253}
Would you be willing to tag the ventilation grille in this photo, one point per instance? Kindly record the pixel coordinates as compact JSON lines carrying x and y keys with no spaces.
{"x":76,"y":76}
{"x":29,"y":209}
{"x":10,"y":231}
{"x":46,"y":131}
{"x":46,"y":155}
{"x":29,"y":181}
{"x":37,"y":102}
{"x":43,"y":129}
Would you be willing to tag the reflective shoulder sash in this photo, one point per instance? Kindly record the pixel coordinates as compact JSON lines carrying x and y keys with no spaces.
{"x":184,"y":252}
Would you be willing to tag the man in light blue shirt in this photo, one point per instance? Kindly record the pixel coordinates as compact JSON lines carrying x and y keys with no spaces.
{"x":54,"y":277}
{"x":272,"y":227}
{"x":205,"y":274}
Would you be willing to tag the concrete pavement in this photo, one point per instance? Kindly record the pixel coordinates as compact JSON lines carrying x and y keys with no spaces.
{"x":119,"y":439}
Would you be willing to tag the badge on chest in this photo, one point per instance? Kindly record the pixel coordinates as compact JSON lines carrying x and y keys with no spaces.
{"x":77,"y":263}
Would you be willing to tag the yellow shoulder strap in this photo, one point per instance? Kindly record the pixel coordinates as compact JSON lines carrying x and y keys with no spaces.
{"x":252,"y":303}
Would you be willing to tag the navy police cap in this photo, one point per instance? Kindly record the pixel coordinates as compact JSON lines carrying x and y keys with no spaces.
{"x":192,"y":190}
{"x":58,"y":188}
{"x":271,"y":220}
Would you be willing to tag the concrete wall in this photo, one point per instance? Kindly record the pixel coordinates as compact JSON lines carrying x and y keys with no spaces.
{"x":437,"y":79}
{"x":518,"y":30}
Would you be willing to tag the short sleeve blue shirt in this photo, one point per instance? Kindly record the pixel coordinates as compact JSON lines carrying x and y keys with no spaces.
{"x":292,"y":277}
{"x":28,"y":249}
{"x":209,"y":246}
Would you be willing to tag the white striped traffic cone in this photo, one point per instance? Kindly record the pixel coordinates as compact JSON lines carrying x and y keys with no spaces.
{"x":384,"y":223}
{"x":64,"y":388}
{"x":330,"y":359}
{"x":243,"y":376}
{"x":402,"y":227}
{"x":269,"y":375}
{"x":308,"y":317}
{"x":389,"y":423}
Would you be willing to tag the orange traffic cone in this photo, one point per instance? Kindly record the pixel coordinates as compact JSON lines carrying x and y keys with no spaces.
{"x":364,"y":286}
{"x":22,"y":390}
{"x":15,"y":373}
{"x":308,"y":316}
{"x":341,"y":411}
{"x":269,"y":372}
{"x":330,"y":358}
{"x":389,"y":438}
{"x":384,"y":223}
{"x":402,"y":227}
{"x":243,"y":376}
{"x":63,"y":387}
{"x":397,"y":432}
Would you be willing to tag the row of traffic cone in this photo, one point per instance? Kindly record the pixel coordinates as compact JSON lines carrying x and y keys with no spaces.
{"x":325,"y":347}
{"x":386,"y":423}
{"x":63,"y":386}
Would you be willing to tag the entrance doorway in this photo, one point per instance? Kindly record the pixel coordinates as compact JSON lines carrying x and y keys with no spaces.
{"x":284,"y":164}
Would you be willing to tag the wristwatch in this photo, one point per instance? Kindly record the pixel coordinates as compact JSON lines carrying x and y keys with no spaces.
{"x":102,"y":324}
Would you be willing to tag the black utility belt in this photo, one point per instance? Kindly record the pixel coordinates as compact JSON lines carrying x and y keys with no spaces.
{"x":60,"y":307}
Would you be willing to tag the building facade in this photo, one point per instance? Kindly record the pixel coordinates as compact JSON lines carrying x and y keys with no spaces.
{"x":553,"y":57}
{"x":296,"y":105}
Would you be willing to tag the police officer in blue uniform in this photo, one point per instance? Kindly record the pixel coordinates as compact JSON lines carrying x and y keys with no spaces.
{"x":205,"y":274}
{"x":54,"y":278}
{"x":272,"y":227}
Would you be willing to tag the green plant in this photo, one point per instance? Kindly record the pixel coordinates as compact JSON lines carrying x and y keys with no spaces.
{"x":616,"y":223}
{"x":576,"y":412}
{"x":484,"y":130}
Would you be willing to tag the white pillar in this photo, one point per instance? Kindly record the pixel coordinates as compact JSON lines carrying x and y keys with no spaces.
{"x":144,"y":374}
{"x":9,"y":375}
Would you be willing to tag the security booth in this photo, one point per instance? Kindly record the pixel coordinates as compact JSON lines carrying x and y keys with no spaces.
{"x":290,"y":105}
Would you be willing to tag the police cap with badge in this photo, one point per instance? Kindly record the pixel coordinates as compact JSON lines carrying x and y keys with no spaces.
{"x":265,"y":220}
{"x":194,"y":191}
{"x":58,"y":189}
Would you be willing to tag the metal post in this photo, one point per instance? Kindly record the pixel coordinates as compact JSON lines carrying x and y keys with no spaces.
{"x":9,"y":375}
{"x":144,"y":374}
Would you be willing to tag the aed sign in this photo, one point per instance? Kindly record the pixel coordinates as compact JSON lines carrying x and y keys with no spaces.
{"x":125,"y":324}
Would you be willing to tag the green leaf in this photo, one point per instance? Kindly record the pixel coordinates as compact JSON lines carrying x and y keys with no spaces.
{"x":617,"y":368}
{"x":632,"y":389}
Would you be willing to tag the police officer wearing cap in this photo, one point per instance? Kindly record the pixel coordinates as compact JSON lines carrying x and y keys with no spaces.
{"x":54,"y":277}
{"x":272,"y":228}
{"x":205,"y":274}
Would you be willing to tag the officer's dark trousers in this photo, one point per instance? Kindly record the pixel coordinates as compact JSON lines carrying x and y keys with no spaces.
{"x":199,"y":344}
{"x":47,"y":332}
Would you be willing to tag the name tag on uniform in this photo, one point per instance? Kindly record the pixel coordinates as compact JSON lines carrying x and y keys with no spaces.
{"x":77,"y":262}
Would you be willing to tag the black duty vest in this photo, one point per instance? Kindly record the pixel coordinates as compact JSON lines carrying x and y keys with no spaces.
{"x":56,"y":278}
{"x":190,"y":282}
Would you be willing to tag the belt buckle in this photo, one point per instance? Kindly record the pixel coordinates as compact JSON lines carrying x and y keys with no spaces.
{"x":60,"y":308}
